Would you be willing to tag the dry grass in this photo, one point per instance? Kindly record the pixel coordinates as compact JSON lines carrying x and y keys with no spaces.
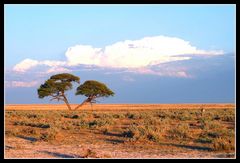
{"x":139,"y":131}
{"x":118,"y":106}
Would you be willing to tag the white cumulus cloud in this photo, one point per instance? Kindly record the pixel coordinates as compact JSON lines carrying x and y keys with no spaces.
{"x":28,"y":64}
{"x":25,"y":65}
{"x":135,"y":53}
{"x":137,"y":56}
{"x":83,"y":54}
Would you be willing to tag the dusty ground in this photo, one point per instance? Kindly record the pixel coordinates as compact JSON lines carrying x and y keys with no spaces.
{"x":24,"y":148}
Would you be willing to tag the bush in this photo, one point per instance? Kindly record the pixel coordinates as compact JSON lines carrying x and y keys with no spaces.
{"x":128,"y":134}
{"x":100,"y":123}
{"x":161,"y":115}
{"x":72,"y":116}
{"x":213,"y":134}
{"x":90,"y":154}
{"x":49,"y":134}
{"x":93,"y":123}
{"x":228,"y":118}
{"x":152,"y":121}
{"x":29,"y":131}
{"x":118,"y":116}
{"x":101,"y":115}
{"x":67,"y":126}
{"x":39,"y":125}
{"x":130,"y":116}
{"x":216,"y":130}
{"x":14,"y":132}
{"x":179,"y":132}
{"x":135,"y":133}
{"x":81,"y":123}
{"x":183,"y":115}
{"x":220,"y":144}
{"x":105,"y":130}
{"x":213,"y":125}
{"x":216,"y":117}
{"x":204,"y":140}
{"x":32,"y":116}
{"x":153,"y":136}
{"x":144,"y":115}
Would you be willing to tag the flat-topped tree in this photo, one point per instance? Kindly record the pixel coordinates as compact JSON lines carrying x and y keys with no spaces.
{"x":92,"y":90}
{"x":56,"y":87}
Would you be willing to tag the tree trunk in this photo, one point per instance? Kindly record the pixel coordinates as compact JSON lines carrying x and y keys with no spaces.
{"x":89,"y":99}
{"x":66,"y":101}
{"x":81,"y":104}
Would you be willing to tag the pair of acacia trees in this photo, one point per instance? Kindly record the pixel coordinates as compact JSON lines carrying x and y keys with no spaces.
{"x":57,"y":85}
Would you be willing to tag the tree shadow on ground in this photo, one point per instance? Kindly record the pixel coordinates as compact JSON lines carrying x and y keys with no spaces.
{"x":113,"y":134}
{"x":8,"y":147}
{"x":114,"y":141}
{"x":31,"y":139}
{"x":110,"y":134}
{"x":113,"y":137}
{"x":193,"y":147}
{"x":226,"y":155}
{"x":61,"y":155}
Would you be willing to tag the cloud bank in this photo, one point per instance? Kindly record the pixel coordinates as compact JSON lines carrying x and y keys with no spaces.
{"x":27,"y":64}
{"x":21,"y":84}
{"x":137,"y":56}
{"x":134,"y":54}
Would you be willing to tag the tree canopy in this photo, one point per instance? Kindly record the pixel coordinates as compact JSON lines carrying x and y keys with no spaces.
{"x":93,"y":89}
{"x":56,"y":87}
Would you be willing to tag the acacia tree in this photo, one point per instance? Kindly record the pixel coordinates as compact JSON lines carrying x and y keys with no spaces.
{"x":56,"y":87}
{"x":92,"y":90}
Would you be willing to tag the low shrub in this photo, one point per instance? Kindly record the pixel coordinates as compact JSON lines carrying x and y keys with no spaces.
{"x":152,"y":121}
{"x":102,"y":115}
{"x":153,"y":136}
{"x":39,"y":125}
{"x":13,"y":132}
{"x":117,"y":116}
{"x":72,"y":116}
{"x":90,"y":154}
{"x":135,"y":133}
{"x":67,"y":125}
{"x":49,"y":135}
{"x":81,"y":123}
{"x":128,"y":134}
{"x":221,"y":144}
{"x":181,"y":131}
{"x":204,"y":140}
{"x":228,"y":118}
{"x":100,"y":123}
{"x":105,"y":130}
{"x":32,"y":116}
{"x":29,"y":131}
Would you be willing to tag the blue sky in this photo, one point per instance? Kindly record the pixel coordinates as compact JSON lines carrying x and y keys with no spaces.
{"x":145,"y":53}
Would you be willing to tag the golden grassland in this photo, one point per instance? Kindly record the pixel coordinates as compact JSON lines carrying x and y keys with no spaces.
{"x":119,"y":106}
{"x":120,"y":131}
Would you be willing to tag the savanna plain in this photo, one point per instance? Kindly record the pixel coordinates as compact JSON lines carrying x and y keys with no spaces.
{"x":120,"y":131}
